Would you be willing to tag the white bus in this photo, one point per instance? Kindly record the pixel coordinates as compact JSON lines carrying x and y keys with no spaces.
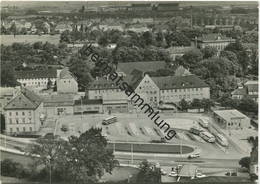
{"x":203,"y":122}
{"x":109,"y":120}
{"x":221,"y":140}
{"x":196,"y":130}
{"x":207,"y":136}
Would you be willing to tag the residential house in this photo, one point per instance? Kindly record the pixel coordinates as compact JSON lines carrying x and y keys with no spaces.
{"x":63,"y":27}
{"x":231,"y":119}
{"x":249,"y":89}
{"x":36,"y":79}
{"x":217,"y":41}
{"x":23,"y":112}
{"x":66,"y":82}
{"x":6,"y":94}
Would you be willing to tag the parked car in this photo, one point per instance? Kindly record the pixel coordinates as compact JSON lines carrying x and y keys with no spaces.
{"x":200,"y":175}
{"x":163,"y":172}
{"x":195,"y":155}
{"x":173,"y":174}
{"x":64,"y":128}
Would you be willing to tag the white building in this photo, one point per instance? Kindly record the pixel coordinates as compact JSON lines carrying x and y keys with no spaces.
{"x":172,"y":89}
{"x":36,"y":79}
{"x":22,"y":113}
{"x":66,"y":82}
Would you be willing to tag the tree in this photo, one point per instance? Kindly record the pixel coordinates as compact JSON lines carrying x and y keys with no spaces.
{"x":207,"y":104}
{"x":81,"y":70}
{"x":209,"y":52}
{"x":7,"y":76}
{"x":65,"y":36}
{"x":103,"y":41}
{"x":148,"y":173}
{"x":147,"y":38}
{"x":248,"y":105}
{"x":13,"y":169}
{"x":87,"y":156}
{"x":2,"y":123}
{"x":177,"y":39}
{"x":245,"y":162}
{"x":191,"y":58}
{"x":184,"y":105}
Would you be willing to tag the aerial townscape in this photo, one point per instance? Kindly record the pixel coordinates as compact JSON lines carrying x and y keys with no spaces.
{"x":117,"y":92}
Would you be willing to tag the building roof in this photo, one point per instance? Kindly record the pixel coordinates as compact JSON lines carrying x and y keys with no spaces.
{"x":251,"y":83}
{"x":7,"y":91}
{"x":65,"y":74}
{"x":230,"y":114}
{"x":58,"y":100}
{"x":36,"y":74}
{"x":239,"y":91}
{"x":88,"y":101}
{"x":25,"y":99}
{"x":214,"y":37}
{"x":145,"y":66}
{"x":179,"y":82}
{"x":102,"y":83}
{"x":188,"y":171}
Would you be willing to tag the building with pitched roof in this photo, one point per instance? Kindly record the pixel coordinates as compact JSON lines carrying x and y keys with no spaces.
{"x":36,"y":79}
{"x":231,"y":119}
{"x":217,"y":41}
{"x":249,"y":89}
{"x":66,"y":82}
{"x":22,"y":113}
{"x":6,"y":94}
{"x":172,"y":89}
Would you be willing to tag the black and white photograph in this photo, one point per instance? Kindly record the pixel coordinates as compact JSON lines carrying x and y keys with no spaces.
{"x":129,"y":92}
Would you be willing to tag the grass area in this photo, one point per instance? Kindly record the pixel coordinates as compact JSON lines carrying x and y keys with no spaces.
{"x":151,"y":148}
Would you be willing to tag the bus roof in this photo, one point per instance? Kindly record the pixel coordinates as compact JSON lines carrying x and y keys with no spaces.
{"x":207,"y":134}
{"x":110,"y":117}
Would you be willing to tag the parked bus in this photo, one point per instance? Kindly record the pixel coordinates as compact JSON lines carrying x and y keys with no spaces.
{"x":195,"y":130}
{"x":109,"y":120}
{"x":207,"y":136}
{"x":221,"y":140}
{"x":203,"y":122}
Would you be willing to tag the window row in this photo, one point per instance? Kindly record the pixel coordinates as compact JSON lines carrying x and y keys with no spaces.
{"x":21,"y":113}
{"x":24,"y":129}
{"x":20,"y":121}
{"x":106,"y":91}
{"x":181,"y":90}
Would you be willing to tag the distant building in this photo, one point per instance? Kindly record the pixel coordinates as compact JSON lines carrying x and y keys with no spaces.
{"x":141,"y":6}
{"x":36,"y":79}
{"x":22,"y":113}
{"x":181,"y":71}
{"x":115,"y":103}
{"x":58,"y":104}
{"x":231,"y":119}
{"x":63,"y":27}
{"x":66,"y":82}
{"x":138,"y":28}
{"x":111,"y":27}
{"x":88,"y":106}
{"x":6,"y":94}
{"x":213,"y":40}
{"x":177,"y":51}
{"x":167,"y":6}
{"x":250,"y":90}
{"x":102,"y":86}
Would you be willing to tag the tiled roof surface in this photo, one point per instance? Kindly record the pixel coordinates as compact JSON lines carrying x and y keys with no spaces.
{"x":239,"y":91}
{"x":178,"y":82}
{"x":146,"y":66}
{"x":26,"y":99}
{"x":36,"y":74}
{"x":228,"y":114}
{"x":58,"y":100}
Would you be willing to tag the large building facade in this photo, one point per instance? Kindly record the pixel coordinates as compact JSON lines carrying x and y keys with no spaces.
{"x":23,"y":113}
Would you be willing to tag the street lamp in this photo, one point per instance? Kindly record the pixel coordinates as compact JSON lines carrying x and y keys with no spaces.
{"x":49,"y":159}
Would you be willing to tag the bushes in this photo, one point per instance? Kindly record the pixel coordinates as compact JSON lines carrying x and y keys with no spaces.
{"x":13,"y":169}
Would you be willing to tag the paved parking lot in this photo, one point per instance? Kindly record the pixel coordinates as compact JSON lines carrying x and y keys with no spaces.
{"x":139,"y":128}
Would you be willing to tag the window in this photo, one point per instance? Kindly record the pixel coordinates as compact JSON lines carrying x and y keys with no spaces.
{"x":24,"y":129}
{"x":10,"y":121}
{"x":17,"y":129}
{"x":29,"y":113}
{"x":23,"y":120}
{"x":16,"y":113}
{"x":23,"y":113}
{"x":11,"y":130}
{"x":30,"y":120}
{"x":17,"y":121}
{"x":10,"y":113}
